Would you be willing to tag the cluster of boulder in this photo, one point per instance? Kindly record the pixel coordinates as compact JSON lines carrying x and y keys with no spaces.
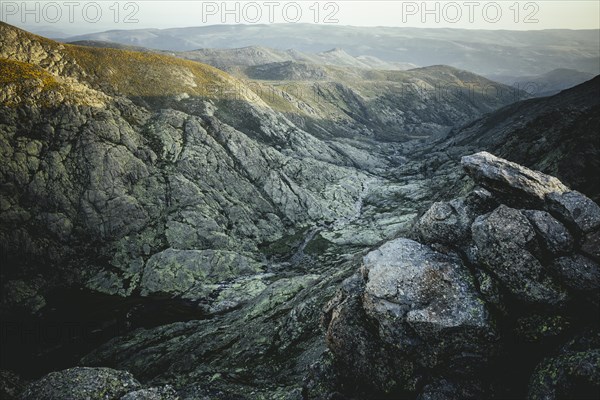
{"x":496,"y":295}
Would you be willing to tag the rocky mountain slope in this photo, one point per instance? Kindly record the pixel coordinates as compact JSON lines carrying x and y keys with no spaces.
{"x":387,"y":105}
{"x":195,"y":228}
{"x":549,"y":83}
{"x":172,"y":181}
{"x":496,"y":296}
{"x":229,"y":59}
{"x":89,"y":175}
{"x":334,"y":94}
{"x":558,"y":135}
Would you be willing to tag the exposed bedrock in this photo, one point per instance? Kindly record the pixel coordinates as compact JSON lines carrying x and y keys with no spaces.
{"x":501,"y":278}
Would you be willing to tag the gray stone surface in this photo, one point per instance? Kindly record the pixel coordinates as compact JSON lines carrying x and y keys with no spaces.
{"x":450,"y":222}
{"x":189,"y":273}
{"x":445,"y":222}
{"x":576,"y":209}
{"x":505,"y":240}
{"x":555,"y":236}
{"x":428,"y":314}
{"x":361,"y":357}
{"x":11,"y":385}
{"x":590,"y":245}
{"x":22,"y":295}
{"x":510,"y":179}
{"x":450,"y":389}
{"x":431,"y":292}
{"x":82,"y":383}
{"x":578,"y":272}
{"x":571,"y":374}
{"x":155,"y":393}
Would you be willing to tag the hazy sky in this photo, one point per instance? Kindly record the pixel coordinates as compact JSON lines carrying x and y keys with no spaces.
{"x":88,"y":16}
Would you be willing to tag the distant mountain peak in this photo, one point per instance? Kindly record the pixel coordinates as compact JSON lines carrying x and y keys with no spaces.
{"x":335,"y":50}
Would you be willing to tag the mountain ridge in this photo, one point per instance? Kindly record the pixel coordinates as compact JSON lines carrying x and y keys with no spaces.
{"x":560,"y":128}
{"x":523,"y":53}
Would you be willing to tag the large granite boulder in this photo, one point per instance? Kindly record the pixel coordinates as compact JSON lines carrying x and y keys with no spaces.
{"x":450,"y":222}
{"x":555,"y":237}
{"x":423,"y":311}
{"x":412,"y":289}
{"x":576,"y":210}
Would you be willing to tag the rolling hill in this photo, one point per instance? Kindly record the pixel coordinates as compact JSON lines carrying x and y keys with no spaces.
{"x":486,"y":52}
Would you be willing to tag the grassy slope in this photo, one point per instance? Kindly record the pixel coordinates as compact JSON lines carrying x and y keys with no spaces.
{"x":126,"y":72}
{"x":148,"y":74}
{"x":16,"y":72}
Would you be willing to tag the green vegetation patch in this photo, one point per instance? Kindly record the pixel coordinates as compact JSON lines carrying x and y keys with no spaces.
{"x":286,"y":246}
{"x":317,"y":246}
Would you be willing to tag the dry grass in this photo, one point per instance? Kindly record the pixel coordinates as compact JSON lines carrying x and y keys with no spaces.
{"x":148,"y":74}
{"x":16,"y":72}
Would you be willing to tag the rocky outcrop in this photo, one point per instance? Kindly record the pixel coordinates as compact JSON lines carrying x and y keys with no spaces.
{"x":413,"y":296}
{"x":82,"y":383}
{"x":576,"y":210}
{"x":572,"y":373}
{"x":505,"y":244}
{"x":510,"y":179}
{"x":439,"y":318}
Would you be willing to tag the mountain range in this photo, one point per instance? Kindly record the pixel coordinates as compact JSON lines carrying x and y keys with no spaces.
{"x":232,"y":231}
{"x":486,"y":52}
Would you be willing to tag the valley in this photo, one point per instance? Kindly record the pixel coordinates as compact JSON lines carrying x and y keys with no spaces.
{"x":201,"y":215}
